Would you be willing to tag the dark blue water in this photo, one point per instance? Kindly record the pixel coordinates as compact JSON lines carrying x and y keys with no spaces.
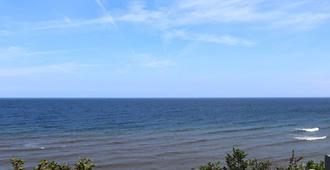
{"x":161,"y":133}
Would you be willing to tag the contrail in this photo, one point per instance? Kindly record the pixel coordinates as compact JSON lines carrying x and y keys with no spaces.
{"x":106,"y":13}
{"x":112,"y":21}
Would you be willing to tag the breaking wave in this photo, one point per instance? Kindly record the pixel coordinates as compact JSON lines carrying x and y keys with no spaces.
{"x":310,"y":138}
{"x":309,"y":129}
{"x":33,"y":146}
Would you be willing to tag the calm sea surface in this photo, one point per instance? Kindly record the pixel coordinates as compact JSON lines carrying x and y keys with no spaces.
{"x":161,"y":133}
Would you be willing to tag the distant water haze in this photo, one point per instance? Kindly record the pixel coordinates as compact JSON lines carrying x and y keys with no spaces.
{"x":162,"y":133}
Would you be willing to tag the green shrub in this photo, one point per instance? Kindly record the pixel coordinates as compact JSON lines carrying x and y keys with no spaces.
{"x":17,"y":163}
{"x":84,"y":164}
{"x":235,"y":161}
{"x":46,"y":165}
{"x":211,"y":166}
{"x":254,"y":164}
{"x":315,"y":165}
{"x":64,"y":167}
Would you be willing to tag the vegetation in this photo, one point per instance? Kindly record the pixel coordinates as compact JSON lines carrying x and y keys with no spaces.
{"x":315,"y":165}
{"x":254,"y":164}
{"x":211,"y":166}
{"x":46,"y":165}
{"x":18,"y":164}
{"x":233,"y":161}
{"x":236,"y":161}
{"x":84,"y":164}
{"x":81,"y":164}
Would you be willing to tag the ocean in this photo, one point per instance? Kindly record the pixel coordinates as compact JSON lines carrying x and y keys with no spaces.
{"x":171,"y":134}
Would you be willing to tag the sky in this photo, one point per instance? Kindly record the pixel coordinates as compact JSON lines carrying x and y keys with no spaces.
{"x":155,"y":48}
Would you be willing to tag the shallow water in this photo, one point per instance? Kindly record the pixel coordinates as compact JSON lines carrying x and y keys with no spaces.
{"x":161,"y":133}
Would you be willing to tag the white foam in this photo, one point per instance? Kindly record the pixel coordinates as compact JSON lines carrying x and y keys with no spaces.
{"x":33,"y":146}
{"x":310,"y":138}
{"x":309,"y":129}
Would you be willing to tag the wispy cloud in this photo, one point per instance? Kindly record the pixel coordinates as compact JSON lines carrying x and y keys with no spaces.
{"x":101,"y":5}
{"x":5,"y":32}
{"x":68,"y":22}
{"x":192,"y":12}
{"x":207,"y":38}
{"x":290,"y":14}
{"x":304,"y":21}
{"x":196,"y":11}
{"x":72,"y":23}
{"x":106,"y":13}
{"x":143,"y":61}
{"x":12,"y":51}
{"x":63,"y":68}
{"x":15,"y":52}
{"x":149,"y":61}
{"x":136,"y":12}
{"x":158,"y":63}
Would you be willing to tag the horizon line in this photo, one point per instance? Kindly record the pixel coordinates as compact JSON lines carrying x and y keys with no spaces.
{"x":283,"y":97}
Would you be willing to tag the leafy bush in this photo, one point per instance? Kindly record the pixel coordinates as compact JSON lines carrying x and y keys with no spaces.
{"x":84,"y":164}
{"x":46,"y":165}
{"x":18,"y":164}
{"x":236,"y":161}
{"x":315,"y":165}
{"x":81,"y":164}
{"x":211,"y":166}
{"x":254,"y":164}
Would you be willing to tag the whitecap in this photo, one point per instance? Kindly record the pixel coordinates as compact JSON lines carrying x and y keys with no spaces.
{"x":309,"y":129}
{"x":310,"y":138}
{"x":33,"y":146}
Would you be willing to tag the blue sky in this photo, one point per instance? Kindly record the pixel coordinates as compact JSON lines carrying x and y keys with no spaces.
{"x":154,"y":48}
